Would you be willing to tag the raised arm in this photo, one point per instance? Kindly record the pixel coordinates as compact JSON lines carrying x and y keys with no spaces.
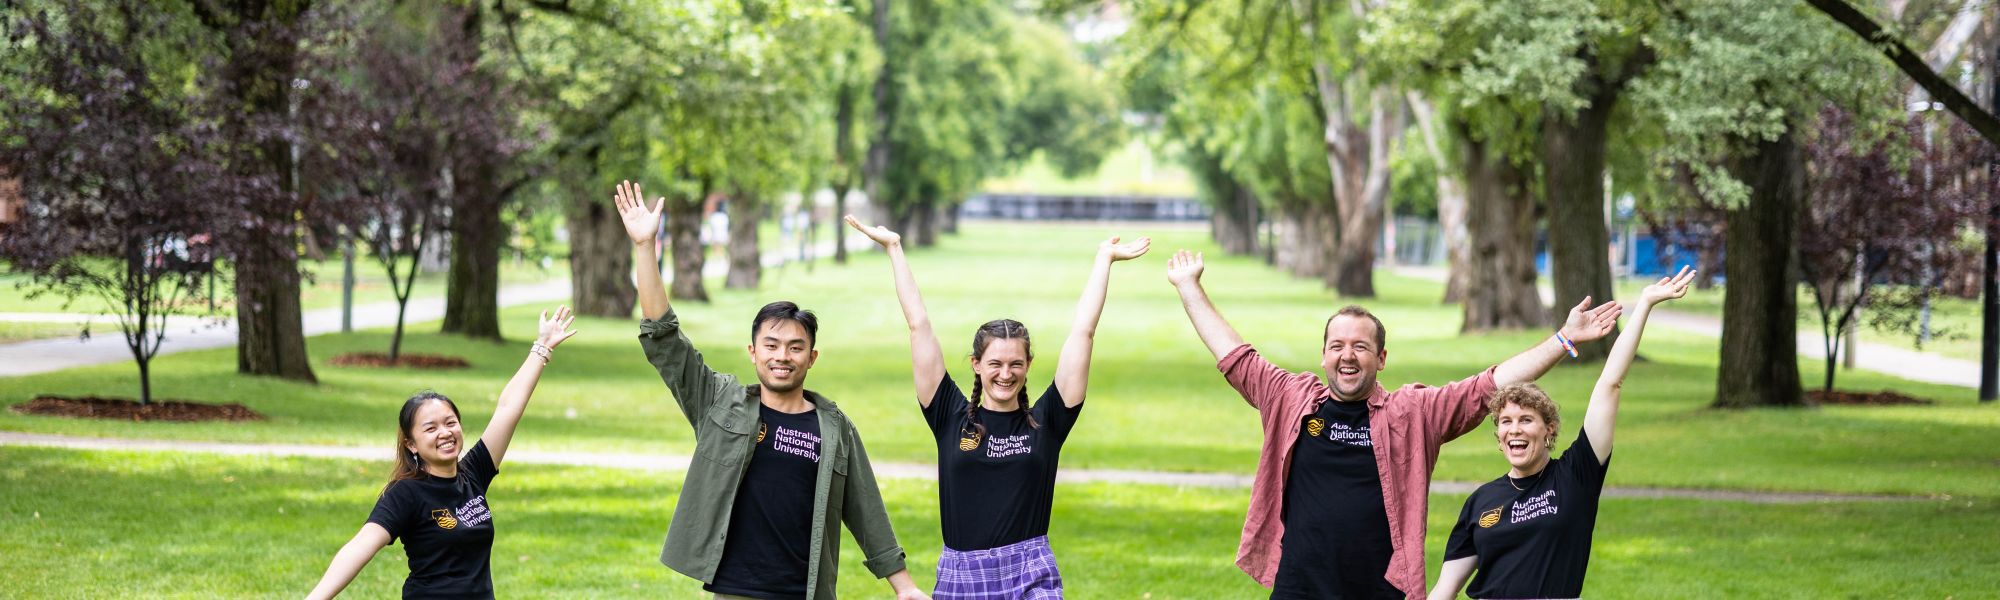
{"x":1451,"y":578}
{"x":1184,"y":271}
{"x":1599,"y":419}
{"x":926,"y":357}
{"x":693,"y":384}
{"x":641,"y":224}
{"x":348,"y":562}
{"x":514,"y":397}
{"x":1073,"y":367}
{"x":1584,"y":324}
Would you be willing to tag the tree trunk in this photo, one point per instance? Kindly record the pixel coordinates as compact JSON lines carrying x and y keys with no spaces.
{"x":270,"y":334}
{"x":600,"y":260}
{"x":1233,"y":222}
{"x":1304,"y":242}
{"x":746,"y":267}
{"x":836,"y":227}
{"x":1573,"y":154}
{"x":396,"y":340}
{"x":684,"y":237}
{"x":1760,"y":365}
{"x":1362,"y":193}
{"x":1453,"y":223}
{"x":1708,"y":263}
{"x":472,"y":289}
{"x":875,"y":168}
{"x":948,"y":218}
{"x":842,"y":177}
{"x":1233,"y":215}
{"x":924,"y":221}
{"x":1500,"y":264}
{"x":145,"y":380}
{"x":1451,"y":200}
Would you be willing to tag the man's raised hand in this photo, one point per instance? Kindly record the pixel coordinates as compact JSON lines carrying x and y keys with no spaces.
{"x":1585,"y":323}
{"x":640,"y":223}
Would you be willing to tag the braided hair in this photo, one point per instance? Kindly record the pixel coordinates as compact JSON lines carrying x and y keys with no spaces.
{"x":998,"y":329}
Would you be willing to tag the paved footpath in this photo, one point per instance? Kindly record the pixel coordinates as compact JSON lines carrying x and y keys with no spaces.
{"x":895,"y":470}
{"x":185,"y":333}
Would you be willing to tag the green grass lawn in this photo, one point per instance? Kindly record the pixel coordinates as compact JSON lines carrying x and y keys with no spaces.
{"x":21,"y":331}
{"x":123,"y":524}
{"x":1133,"y":169}
{"x":1156,"y":400}
{"x":321,"y":287}
{"x":1954,"y":321}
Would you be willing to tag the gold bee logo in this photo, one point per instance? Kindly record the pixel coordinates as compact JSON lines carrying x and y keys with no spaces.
{"x":1314,"y":426}
{"x":444,"y":519}
{"x":760,"y":433}
{"x":1490,"y":518}
{"x":969,"y":442}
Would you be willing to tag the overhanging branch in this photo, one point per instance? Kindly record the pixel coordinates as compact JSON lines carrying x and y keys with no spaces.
{"x":1913,"y":65}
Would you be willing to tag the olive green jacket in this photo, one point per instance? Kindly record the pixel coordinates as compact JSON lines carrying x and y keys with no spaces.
{"x":724,"y":414}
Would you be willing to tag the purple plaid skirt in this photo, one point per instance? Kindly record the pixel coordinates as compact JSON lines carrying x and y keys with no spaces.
{"x":1025,"y":569}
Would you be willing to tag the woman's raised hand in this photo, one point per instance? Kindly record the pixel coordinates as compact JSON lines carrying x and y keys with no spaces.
{"x":1668,"y":288}
{"x":1127,"y":251}
{"x":553,"y":330}
{"x":640,"y":223}
{"x":880,"y":234}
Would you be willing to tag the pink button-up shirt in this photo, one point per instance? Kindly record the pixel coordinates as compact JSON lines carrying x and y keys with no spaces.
{"x":1406,"y":426}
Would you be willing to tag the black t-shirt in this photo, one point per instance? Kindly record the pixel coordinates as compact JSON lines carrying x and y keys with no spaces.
{"x":996,"y":489}
{"x":446,"y":528}
{"x":1533,"y":542}
{"x":1336,"y":542}
{"x":770,"y":527}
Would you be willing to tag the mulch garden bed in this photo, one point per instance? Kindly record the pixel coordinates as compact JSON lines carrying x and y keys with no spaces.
{"x":92,"y":407}
{"x":414,"y":361}
{"x":1881,"y":398}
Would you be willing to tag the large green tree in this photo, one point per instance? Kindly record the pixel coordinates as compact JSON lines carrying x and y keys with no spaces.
{"x":1737,"y":84}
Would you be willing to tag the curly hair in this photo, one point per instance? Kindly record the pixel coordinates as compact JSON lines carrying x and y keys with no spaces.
{"x":1530,"y":397}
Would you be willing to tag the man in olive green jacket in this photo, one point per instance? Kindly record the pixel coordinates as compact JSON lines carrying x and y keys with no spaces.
{"x":810,"y":472}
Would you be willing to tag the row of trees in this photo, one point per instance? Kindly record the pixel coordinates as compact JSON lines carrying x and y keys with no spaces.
{"x":1534,"y":114}
{"x":163,"y":145}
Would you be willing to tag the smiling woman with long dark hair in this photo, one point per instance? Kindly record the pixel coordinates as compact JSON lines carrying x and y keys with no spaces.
{"x":435,"y":500}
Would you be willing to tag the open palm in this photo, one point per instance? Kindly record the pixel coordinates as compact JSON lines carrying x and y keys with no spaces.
{"x":1126,"y":251}
{"x":1668,"y":288}
{"x":1184,"y":267}
{"x":1586,"y":323}
{"x":880,"y":234}
{"x":640,"y":223}
{"x":553,"y":330}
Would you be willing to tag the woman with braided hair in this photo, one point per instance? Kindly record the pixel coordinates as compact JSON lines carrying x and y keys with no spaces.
{"x":997,"y":453}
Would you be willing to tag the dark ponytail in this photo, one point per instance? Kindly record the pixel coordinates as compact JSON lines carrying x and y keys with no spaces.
{"x":408,"y":465}
{"x":999,"y":329}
